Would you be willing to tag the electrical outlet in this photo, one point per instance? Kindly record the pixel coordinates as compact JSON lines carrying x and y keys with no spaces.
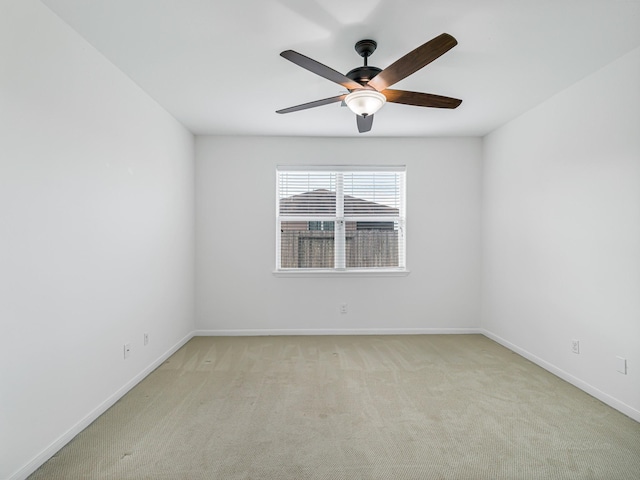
{"x":146,"y":338}
{"x":575,"y":346}
{"x":127,"y":350}
{"x":344,"y":308}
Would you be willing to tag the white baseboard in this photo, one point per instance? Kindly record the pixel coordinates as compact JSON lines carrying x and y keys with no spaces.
{"x":582,"y":385}
{"x":65,"y":438}
{"x":329,"y":331}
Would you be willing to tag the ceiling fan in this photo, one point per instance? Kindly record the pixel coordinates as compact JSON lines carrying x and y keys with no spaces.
{"x":368,"y":85}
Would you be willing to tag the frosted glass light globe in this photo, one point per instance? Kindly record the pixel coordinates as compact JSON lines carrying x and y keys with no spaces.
{"x":365,"y":102}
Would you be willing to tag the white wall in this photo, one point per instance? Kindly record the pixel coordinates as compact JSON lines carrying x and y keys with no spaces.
{"x":235,"y":205}
{"x":561,"y":233}
{"x":96,"y":234}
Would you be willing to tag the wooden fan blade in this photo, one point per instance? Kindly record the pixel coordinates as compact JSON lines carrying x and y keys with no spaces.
{"x":364,"y":123}
{"x":320,"y":69}
{"x":419,"y":99}
{"x":317,"y":103}
{"x":413,"y":61}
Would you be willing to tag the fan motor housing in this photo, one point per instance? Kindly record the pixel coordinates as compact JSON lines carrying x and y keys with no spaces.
{"x":363,"y":74}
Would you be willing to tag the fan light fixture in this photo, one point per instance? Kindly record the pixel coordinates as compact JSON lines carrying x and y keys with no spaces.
{"x":365,"y":102}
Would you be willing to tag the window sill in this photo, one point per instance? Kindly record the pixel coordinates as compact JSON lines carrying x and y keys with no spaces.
{"x":303,"y":273}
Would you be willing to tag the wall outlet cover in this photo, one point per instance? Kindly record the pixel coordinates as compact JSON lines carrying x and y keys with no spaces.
{"x":575,"y":346}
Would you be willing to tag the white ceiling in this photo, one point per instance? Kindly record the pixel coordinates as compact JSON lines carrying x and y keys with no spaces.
{"x":215,"y":64}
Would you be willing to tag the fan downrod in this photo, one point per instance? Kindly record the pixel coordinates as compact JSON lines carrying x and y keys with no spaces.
{"x":365,"y":73}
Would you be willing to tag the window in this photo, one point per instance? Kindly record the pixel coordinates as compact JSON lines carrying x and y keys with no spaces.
{"x":340,"y":219}
{"x":321,"y":225}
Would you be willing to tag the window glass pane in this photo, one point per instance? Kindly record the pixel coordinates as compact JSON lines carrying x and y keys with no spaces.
{"x":312,"y":193}
{"x":372,"y":194}
{"x":372,"y":244}
{"x":304,"y":247}
{"x":321,"y":225}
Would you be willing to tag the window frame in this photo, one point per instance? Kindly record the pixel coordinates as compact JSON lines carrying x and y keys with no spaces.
{"x":340,"y":221}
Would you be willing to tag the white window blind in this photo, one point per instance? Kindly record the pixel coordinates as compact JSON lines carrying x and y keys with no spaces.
{"x":340,"y":218}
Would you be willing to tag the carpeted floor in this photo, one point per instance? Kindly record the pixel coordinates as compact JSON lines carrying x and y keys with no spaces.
{"x":425,"y":407}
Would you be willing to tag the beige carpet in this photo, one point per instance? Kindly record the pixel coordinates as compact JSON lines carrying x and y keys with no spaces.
{"x":352,"y":407}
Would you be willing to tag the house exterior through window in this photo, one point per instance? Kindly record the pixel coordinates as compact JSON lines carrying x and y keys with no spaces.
{"x":340,"y":219}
